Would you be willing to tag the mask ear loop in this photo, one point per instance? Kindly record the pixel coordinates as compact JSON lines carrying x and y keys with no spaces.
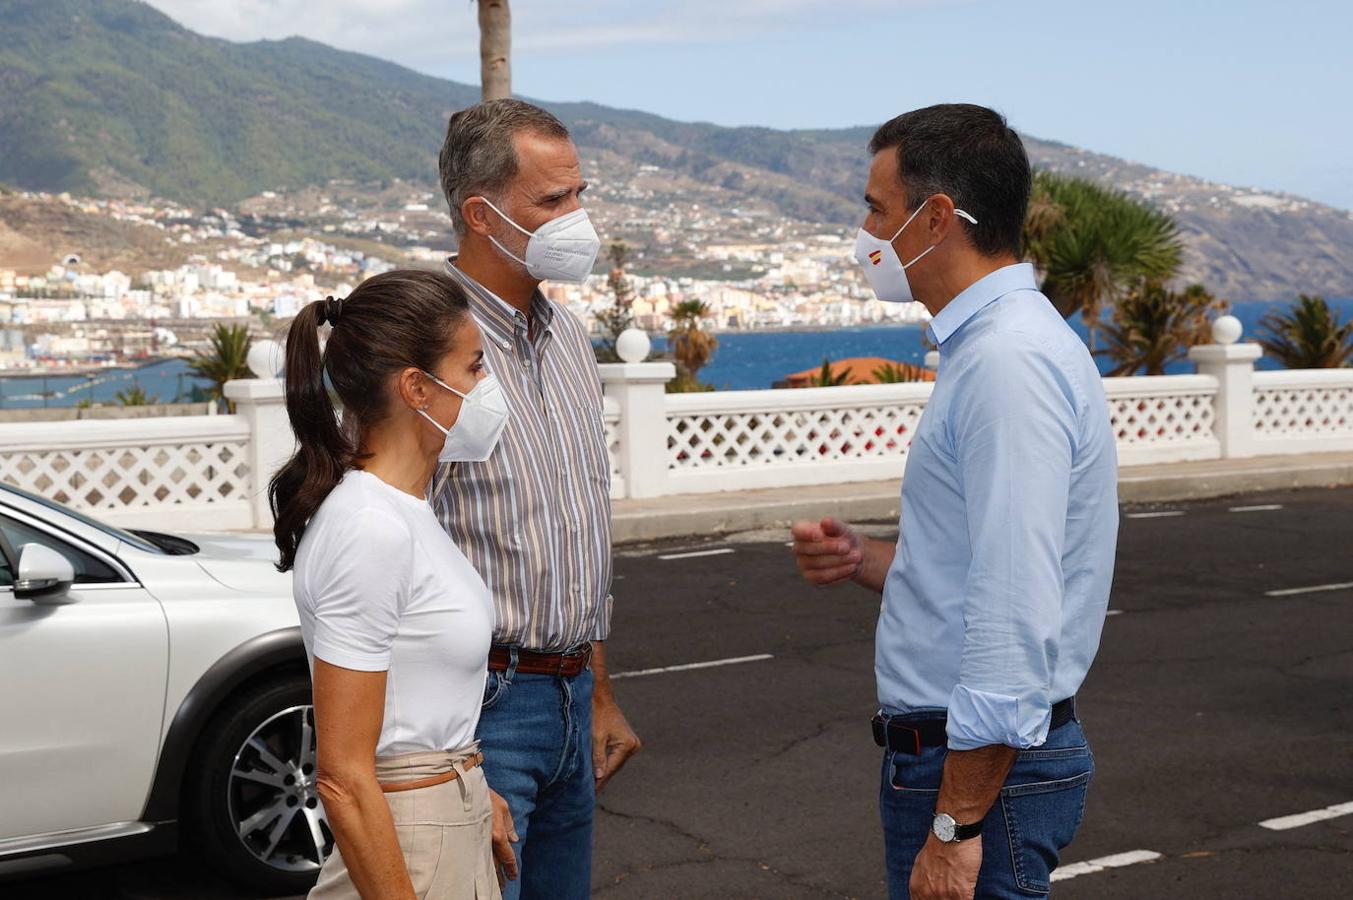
{"x":499,"y":244}
{"x":958,"y":212}
{"x":506,"y":217}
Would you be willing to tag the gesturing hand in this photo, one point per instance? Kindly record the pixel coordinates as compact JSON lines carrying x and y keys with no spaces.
{"x":828,"y":552}
{"x":504,"y":836}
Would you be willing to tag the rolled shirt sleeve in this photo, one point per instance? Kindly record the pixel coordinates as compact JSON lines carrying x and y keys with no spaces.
{"x":1014,"y":429}
{"x":363,"y":589}
{"x":601,"y":630}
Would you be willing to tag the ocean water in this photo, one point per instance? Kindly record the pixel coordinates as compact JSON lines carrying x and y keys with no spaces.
{"x":751,"y":360}
{"x":744,"y":361}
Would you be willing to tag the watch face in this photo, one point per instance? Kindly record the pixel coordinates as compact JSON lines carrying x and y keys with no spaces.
{"x":944,"y":827}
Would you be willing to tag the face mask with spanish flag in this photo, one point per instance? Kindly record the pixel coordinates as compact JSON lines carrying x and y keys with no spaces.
{"x":884,"y":271}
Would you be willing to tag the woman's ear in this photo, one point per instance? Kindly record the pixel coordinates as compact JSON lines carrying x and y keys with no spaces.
{"x":412,"y":387}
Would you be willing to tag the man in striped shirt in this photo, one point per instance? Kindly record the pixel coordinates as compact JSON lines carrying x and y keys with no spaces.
{"x":535,"y":518}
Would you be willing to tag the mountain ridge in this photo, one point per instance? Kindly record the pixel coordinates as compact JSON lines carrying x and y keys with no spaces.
{"x":113,"y":97}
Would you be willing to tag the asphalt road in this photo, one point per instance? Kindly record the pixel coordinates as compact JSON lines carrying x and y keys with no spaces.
{"x":1213,"y":706}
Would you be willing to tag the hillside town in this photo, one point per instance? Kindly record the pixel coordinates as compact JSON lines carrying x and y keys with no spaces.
{"x":276,"y":253}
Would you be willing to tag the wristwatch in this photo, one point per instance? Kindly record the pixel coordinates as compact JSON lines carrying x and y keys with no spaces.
{"x":950,"y":832}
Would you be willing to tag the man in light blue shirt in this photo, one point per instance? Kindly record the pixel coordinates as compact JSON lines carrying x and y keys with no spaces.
{"x":995,"y":595}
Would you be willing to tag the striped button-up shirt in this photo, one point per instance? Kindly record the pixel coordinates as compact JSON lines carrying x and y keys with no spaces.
{"x":535,"y":519}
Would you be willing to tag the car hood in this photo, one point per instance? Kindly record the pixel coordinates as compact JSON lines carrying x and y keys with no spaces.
{"x":244,"y":562}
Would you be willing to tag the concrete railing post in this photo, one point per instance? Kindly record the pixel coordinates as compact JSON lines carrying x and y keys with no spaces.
{"x":1232,"y":364}
{"x":639,"y":388}
{"x":262,"y":403}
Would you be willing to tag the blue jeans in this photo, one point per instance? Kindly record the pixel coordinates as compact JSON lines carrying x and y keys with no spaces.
{"x":536,"y":735}
{"x":1037,"y":815}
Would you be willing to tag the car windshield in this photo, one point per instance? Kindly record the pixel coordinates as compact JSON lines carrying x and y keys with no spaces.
{"x":136,"y":541}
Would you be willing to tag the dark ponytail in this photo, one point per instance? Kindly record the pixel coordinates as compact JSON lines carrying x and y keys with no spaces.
{"x":388,"y":323}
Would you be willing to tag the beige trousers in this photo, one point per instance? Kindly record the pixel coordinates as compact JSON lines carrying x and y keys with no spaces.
{"x":445,"y":831}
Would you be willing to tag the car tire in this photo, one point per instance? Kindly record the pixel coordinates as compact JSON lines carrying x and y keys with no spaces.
{"x":251,"y":809}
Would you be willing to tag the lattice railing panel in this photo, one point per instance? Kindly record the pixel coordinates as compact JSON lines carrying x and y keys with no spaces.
{"x":1168,"y":419}
{"x":122,"y":478}
{"x":1283,"y":412}
{"x":778,"y":437}
{"x":612,"y":421}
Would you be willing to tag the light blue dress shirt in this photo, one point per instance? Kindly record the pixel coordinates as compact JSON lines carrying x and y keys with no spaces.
{"x":995,"y":601}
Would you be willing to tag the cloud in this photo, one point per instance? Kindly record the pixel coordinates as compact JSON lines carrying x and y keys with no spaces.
{"x":428,"y":34}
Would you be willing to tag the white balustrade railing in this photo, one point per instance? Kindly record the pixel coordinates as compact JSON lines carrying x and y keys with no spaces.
{"x":188,"y":472}
{"x":211,"y":472}
{"x":1303,"y":410}
{"x":750,"y":439}
{"x":611,"y":419}
{"x":1164,"y":419}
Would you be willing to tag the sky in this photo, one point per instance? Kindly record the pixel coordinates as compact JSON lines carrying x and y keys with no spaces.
{"x":1242,"y":91}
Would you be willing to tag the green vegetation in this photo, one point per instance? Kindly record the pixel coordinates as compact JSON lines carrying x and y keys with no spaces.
{"x":224,"y":359}
{"x":1092,"y":244}
{"x":1308,"y":336}
{"x":692,"y":347}
{"x":112,"y":93}
{"x":1153,"y":326}
{"x":135,"y":396}
{"x":892,"y":373}
{"x":829,"y":378}
{"x":616,"y":317}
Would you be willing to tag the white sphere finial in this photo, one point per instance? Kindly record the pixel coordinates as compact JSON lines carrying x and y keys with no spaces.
{"x":633,"y":345}
{"x":932,"y":359}
{"x":266,"y":359}
{"x":1226,"y":330}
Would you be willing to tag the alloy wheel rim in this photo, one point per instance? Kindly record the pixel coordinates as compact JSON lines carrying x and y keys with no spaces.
{"x":273,"y":797}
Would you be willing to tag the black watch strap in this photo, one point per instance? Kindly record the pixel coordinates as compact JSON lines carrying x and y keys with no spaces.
{"x":967,"y":832}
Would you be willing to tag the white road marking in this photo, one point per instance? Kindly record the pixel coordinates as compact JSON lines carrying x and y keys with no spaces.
{"x":720,"y":552}
{"x":700,"y":665}
{"x":1165,"y":514}
{"x":1313,"y":589}
{"x":1117,"y":860}
{"x":1264,"y":508}
{"x":1282,"y":823}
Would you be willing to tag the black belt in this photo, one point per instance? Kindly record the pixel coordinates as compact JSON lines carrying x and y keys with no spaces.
{"x":899,"y":735}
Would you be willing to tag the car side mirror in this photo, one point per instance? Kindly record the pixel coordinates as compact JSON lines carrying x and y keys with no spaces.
{"x":45,"y":576}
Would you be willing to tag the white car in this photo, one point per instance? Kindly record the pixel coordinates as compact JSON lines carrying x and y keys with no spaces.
{"x":152,"y":687}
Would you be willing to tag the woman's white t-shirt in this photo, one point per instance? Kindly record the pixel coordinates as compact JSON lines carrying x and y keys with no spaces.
{"x":381,"y":587}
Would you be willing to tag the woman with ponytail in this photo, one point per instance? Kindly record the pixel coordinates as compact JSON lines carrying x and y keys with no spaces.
{"x":385,"y":598}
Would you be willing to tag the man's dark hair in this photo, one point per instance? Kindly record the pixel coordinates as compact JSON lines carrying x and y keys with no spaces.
{"x":478,"y":157}
{"x":971,"y":154}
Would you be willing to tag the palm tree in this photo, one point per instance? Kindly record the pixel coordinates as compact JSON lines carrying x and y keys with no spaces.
{"x":1309,"y":336}
{"x":691,"y":345}
{"x":828,"y":377}
{"x":1092,"y":244}
{"x":224,"y":359}
{"x":893,"y":373}
{"x":135,"y":396}
{"x":1153,"y":326}
{"x":495,"y":49}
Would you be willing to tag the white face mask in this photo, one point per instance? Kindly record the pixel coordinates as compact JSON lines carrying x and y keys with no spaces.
{"x":887,"y":274}
{"x":563,"y":249}
{"x":483,"y":416}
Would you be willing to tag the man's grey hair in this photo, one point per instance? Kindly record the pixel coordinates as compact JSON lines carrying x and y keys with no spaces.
{"x":478,"y":156}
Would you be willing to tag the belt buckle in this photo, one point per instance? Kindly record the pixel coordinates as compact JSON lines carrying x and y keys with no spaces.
{"x":885,"y":729}
{"x":915,"y":738}
{"x":888,"y":734}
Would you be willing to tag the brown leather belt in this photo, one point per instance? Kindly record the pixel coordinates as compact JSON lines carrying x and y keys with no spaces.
{"x":470,"y":762}
{"x":529,"y":662}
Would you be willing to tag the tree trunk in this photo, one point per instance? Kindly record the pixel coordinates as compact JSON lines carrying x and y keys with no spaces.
{"x":495,"y":49}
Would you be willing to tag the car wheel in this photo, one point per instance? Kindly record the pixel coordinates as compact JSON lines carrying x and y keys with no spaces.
{"x":252,"y":807}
